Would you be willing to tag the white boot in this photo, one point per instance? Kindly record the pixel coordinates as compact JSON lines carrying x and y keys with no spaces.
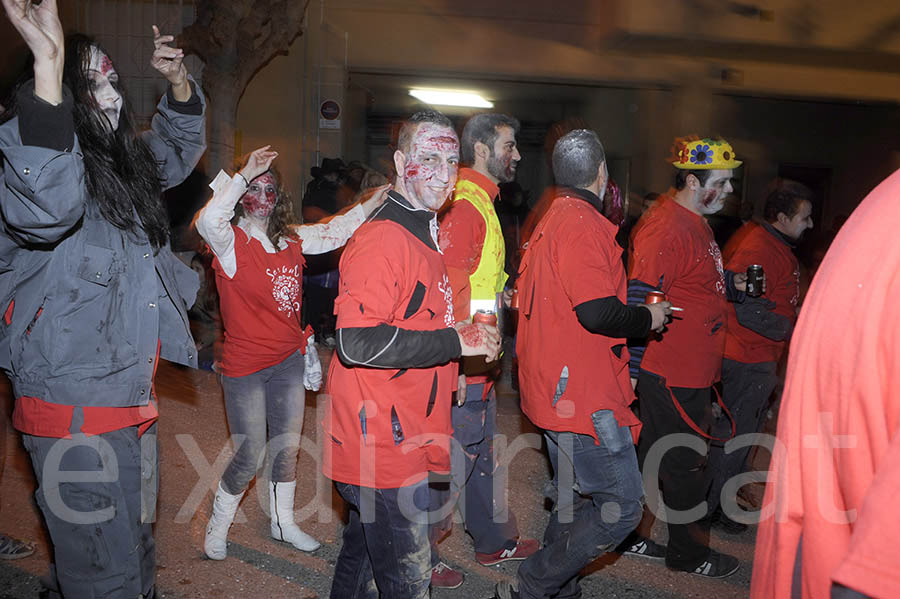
{"x":281,"y":504}
{"x":224,"y":508}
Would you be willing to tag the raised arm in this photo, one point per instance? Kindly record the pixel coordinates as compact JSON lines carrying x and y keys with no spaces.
{"x":42,"y":195}
{"x":177,"y":132}
{"x":213,"y":222}
{"x":332,"y":233}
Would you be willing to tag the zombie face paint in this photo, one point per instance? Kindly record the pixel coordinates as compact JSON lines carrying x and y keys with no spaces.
{"x":711,"y":197}
{"x":432,"y":164}
{"x":260,"y":198}
{"x":103,"y":83}
{"x":504,"y":158}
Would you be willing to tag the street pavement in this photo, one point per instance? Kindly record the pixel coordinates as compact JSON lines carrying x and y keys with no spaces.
{"x":194,"y":449}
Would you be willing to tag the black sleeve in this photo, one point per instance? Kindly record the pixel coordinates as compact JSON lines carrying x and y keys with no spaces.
{"x":756,"y":314}
{"x":193,"y":106}
{"x":42,"y":124}
{"x":608,"y":316}
{"x":731,"y":292}
{"x":839,"y":591}
{"x":384,"y":346}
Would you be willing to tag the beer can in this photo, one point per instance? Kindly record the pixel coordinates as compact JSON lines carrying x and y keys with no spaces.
{"x":654,"y":297}
{"x":755,"y":280}
{"x":485,"y":317}
{"x":514,"y":299}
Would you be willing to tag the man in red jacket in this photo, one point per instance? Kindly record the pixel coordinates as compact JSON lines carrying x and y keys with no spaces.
{"x":574,"y":373}
{"x":830,"y":524}
{"x":474,"y":252}
{"x":389,"y":423}
{"x":758,"y":330}
{"x":673,"y":250}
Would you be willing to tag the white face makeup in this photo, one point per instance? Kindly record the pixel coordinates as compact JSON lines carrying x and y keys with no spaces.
{"x":103,"y":78}
{"x":262,"y":195}
{"x":432,"y":166}
{"x":712,"y":195}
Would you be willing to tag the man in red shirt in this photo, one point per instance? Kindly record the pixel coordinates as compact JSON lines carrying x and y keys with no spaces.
{"x":757,"y":332}
{"x":830,"y":523}
{"x":673,"y":251}
{"x":474,"y":252}
{"x":574,"y":372}
{"x":389,"y":423}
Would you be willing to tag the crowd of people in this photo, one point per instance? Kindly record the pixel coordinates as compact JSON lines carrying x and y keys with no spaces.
{"x":93,"y":297}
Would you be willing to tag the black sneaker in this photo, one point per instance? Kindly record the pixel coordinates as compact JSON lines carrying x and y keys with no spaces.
{"x":722,"y":522}
{"x":646,"y":549}
{"x":717,"y":565}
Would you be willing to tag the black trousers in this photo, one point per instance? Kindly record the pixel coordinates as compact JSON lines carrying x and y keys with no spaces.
{"x":682,"y":472}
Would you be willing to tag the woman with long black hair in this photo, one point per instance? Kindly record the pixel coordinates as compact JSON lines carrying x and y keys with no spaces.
{"x":91,"y":294}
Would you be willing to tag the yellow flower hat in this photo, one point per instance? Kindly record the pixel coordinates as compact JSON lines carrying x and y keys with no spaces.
{"x":693,"y":153}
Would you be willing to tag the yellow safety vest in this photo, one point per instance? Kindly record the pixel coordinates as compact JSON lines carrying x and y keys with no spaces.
{"x":489,"y":278}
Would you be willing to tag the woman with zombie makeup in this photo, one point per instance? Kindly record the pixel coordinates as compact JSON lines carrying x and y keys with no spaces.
{"x":258,"y":264}
{"x":91,"y":294}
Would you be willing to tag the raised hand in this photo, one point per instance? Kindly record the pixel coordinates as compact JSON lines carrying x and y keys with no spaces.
{"x":258,"y":162}
{"x":39,"y":26}
{"x":169,"y":62}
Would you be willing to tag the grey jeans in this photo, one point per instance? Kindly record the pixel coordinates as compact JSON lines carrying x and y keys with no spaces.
{"x":269,"y":400}
{"x":98,"y":497}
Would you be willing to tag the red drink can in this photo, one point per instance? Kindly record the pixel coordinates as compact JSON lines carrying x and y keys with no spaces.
{"x":654,"y":297}
{"x":485,"y":317}
{"x":514,"y":300}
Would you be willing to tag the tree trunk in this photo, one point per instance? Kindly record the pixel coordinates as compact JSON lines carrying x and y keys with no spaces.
{"x":223,"y":94}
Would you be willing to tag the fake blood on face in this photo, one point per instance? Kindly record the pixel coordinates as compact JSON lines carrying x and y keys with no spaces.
{"x":260,"y":198}
{"x":431,"y":168}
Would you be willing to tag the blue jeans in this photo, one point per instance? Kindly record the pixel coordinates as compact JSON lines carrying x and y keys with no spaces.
{"x":385,"y":551}
{"x":101,"y":525}
{"x":598,"y":499}
{"x":486,"y":517}
{"x":274,"y":397}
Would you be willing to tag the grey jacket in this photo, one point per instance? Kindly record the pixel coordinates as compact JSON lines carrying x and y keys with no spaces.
{"x":83,"y":302}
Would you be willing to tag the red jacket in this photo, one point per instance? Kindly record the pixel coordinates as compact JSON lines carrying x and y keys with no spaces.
{"x":389,"y":276}
{"x":672,"y":243}
{"x":835,"y":474}
{"x":572,"y":258}
{"x":755,"y":244}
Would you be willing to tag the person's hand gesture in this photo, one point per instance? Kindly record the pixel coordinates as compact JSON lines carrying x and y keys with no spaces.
{"x":169,"y":62}
{"x":258,"y":162}
{"x":39,"y":26}
{"x":376,"y":198}
{"x":477,"y":339}
{"x":659,"y":315}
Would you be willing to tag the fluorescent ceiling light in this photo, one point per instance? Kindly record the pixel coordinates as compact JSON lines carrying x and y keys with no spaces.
{"x":446,"y":97}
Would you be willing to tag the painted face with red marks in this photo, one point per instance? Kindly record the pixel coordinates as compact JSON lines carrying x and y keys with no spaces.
{"x":504,"y":158}
{"x":711,"y":197}
{"x":104,"y":82}
{"x":260,"y":198}
{"x":430,"y":169}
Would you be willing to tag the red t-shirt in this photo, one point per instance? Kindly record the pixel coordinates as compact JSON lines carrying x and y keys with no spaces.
{"x":39,"y":418}
{"x":260,"y":306}
{"x":672,"y":243}
{"x":572,"y":258}
{"x":753,"y":244}
{"x":838,"y":434}
{"x":380,"y":269}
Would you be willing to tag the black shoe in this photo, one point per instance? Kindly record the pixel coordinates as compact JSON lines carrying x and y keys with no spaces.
{"x":646,"y":549}
{"x":506,"y":590}
{"x":717,"y":565}
{"x":722,"y":522}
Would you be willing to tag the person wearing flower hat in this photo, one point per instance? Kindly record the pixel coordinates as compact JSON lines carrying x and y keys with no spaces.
{"x":673,"y":250}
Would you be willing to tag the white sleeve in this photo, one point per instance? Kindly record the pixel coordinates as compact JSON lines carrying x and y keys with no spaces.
{"x":319,"y":238}
{"x":214,"y":220}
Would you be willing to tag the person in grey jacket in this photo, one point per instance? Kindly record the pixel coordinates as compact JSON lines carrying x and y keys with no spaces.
{"x":91,"y":294}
